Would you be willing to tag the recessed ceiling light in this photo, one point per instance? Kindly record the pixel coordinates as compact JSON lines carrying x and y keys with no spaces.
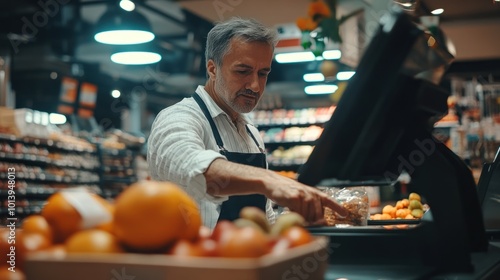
{"x":437,"y":11}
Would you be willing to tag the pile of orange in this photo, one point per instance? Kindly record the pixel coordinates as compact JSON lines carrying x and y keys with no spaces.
{"x":148,"y":217}
{"x":407,"y":208}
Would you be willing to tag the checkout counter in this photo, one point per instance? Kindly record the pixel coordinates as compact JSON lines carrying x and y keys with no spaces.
{"x":381,"y":127}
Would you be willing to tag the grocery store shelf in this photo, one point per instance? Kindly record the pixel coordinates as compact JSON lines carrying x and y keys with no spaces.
{"x":44,"y":161}
{"x":47,"y":143}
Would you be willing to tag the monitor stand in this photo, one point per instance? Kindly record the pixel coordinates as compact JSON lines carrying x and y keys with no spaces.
{"x":443,"y":245}
{"x":448,"y":185}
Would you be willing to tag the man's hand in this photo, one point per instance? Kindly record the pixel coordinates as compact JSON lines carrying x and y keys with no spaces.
{"x":305,"y":200}
{"x":229,"y":178}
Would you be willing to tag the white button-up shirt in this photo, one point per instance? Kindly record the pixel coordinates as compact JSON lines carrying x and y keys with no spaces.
{"x":181,"y":146}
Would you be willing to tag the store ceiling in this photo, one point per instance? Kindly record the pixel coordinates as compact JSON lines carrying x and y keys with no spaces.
{"x":65,"y":42}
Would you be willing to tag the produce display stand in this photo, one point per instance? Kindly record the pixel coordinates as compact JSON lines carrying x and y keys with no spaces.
{"x":308,"y":260}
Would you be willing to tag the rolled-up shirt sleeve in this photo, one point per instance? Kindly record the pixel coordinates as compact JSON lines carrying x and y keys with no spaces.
{"x":177,"y":153}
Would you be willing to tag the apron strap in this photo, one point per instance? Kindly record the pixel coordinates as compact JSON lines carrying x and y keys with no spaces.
{"x":255,"y":140}
{"x":215,"y":131}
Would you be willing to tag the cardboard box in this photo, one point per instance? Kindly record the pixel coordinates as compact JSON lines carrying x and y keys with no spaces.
{"x":303,"y":262}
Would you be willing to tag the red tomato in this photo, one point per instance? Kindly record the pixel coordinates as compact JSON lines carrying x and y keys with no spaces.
{"x":297,"y":236}
{"x":208,"y":247}
{"x":185,"y":248}
{"x":222,"y":229}
{"x":204,"y":232}
{"x":244,"y":242}
{"x":280,"y":247}
{"x":200,"y":248}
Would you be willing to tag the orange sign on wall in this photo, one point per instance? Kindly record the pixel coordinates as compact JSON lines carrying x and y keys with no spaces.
{"x":88,"y":95}
{"x":67,"y":96}
{"x":69,"y":89}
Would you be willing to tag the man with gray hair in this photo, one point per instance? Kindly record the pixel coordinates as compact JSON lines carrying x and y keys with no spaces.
{"x":207,"y":144}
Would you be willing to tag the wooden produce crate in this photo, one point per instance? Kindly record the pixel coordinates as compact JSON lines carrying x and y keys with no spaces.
{"x":308,"y":261}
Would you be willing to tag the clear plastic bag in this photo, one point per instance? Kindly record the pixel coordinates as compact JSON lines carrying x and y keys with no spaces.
{"x":354,"y":199}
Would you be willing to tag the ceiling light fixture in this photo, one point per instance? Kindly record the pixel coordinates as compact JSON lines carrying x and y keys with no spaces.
{"x":292,"y":57}
{"x":345,"y":75}
{"x":55,"y":118}
{"x":119,"y":27}
{"x":135,"y":57}
{"x":320,"y":89}
{"x":305,"y":56}
{"x":332,"y":54}
{"x":314,"y":77}
{"x":127,"y":5}
{"x":115,"y":93}
{"x":437,"y":11}
{"x":318,"y":77}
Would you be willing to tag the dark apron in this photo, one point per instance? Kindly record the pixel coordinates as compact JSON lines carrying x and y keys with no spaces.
{"x":230,"y":209}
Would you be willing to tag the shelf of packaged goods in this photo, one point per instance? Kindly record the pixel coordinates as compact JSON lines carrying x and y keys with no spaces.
{"x":117,"y":152}
{"x":280,"y":164}
{"x":266,"y":126}
{"x":118,"y":179}
{"x":20,"y":211}
{"x":286,"y":144}
{"x":41,"y":160}
{"x":49,"y":143}
{"x":289,"y":167}
{"x":46,"y":177}
{"x":127,"y":169}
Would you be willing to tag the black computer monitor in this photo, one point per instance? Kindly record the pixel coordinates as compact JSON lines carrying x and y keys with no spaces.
{"x":383,"y":125}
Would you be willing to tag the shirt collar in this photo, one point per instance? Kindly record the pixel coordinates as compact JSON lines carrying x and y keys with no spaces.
{"x":214,"y":109}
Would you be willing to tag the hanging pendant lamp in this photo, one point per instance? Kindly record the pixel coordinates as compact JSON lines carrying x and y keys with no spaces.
{"x":119,"y":27}
{"x":136,"y":54}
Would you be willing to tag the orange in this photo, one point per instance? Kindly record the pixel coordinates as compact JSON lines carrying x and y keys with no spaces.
{"x":399,"y":205}
{"x":402,"y":213}
{"x":297,"y":236}
{"x":387,"y":209}
{"x":376,"y":217}
{"x":37,"y":224}
{"x":390,"y":210}
{"x":245,"y":242}
{"x":27,"y":243}
{"x":405,"y":202}
{"x":5,"y":274}
{"x":63,"y":218}
{"x":150,"y":215}
{"x":386,"y":216}
{"x":92,"y":241}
